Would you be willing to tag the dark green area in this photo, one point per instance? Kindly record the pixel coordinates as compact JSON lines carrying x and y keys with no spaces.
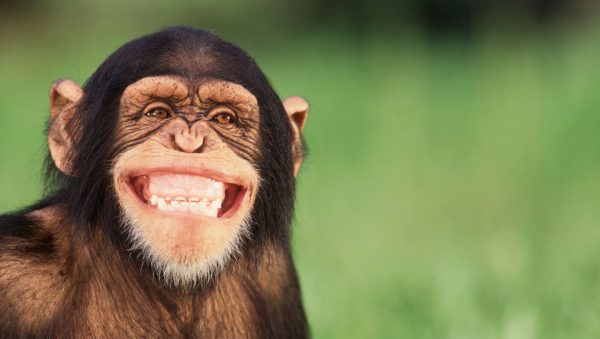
{"x":452,"y":187}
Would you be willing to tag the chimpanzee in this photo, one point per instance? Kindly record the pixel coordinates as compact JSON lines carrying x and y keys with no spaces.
{"x":171,"y":179}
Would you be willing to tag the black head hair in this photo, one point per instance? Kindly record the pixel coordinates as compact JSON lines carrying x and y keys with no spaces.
{"x":89,"y":195}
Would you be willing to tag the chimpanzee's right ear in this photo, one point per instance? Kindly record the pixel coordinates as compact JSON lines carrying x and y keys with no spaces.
{"x":64,"y":97}
{"x":297,"y":110}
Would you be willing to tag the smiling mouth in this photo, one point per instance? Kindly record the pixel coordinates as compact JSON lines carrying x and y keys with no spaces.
{"x":187,"y":194}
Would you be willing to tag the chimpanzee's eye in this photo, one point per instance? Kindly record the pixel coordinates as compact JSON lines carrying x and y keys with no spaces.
{"x":158,"y":113}
{"x":224,"y":118}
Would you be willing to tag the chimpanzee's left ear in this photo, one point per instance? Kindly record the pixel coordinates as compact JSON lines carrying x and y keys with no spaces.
{"x":297,"y":110}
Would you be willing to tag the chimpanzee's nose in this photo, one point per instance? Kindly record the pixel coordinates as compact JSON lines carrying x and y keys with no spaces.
{"x":189,"y":141}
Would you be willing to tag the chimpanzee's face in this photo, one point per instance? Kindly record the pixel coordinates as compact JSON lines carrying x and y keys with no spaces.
{"x":186,"y":176}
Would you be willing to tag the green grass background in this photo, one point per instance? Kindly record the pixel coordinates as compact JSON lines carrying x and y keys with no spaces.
{"x":452,"y":187}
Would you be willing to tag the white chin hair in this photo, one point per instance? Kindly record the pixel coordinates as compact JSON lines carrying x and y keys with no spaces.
{"x":187,"y":272}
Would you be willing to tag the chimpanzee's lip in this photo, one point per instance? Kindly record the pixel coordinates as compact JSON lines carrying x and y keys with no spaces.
{"x":233,"y":191}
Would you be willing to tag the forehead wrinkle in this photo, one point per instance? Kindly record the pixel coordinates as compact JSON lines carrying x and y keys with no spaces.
{"x":168,"y":87}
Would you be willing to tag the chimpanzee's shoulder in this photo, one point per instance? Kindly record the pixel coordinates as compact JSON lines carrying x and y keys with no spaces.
{"x":26,"y":231}
{"x":28,"y":240}
{"x":31,"y":284}
{"x":18,"y":225}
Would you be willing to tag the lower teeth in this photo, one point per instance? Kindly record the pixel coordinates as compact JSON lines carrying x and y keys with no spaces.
{"x":203,"y":207}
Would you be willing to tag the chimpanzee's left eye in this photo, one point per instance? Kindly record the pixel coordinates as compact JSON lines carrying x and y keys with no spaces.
{"x":224,"y":118}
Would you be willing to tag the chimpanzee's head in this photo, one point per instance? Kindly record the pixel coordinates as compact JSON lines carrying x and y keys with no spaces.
{"x":180,"y":149}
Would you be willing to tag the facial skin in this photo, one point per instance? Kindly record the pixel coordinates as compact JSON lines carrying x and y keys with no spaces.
{"x":189,"y":144}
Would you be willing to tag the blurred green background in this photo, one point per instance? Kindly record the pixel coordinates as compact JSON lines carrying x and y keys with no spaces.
{"x":453,"y":181}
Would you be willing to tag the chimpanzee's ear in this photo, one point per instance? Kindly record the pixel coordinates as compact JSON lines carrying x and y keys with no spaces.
{"x":64,"y":97}
{"x":297,"y":110}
